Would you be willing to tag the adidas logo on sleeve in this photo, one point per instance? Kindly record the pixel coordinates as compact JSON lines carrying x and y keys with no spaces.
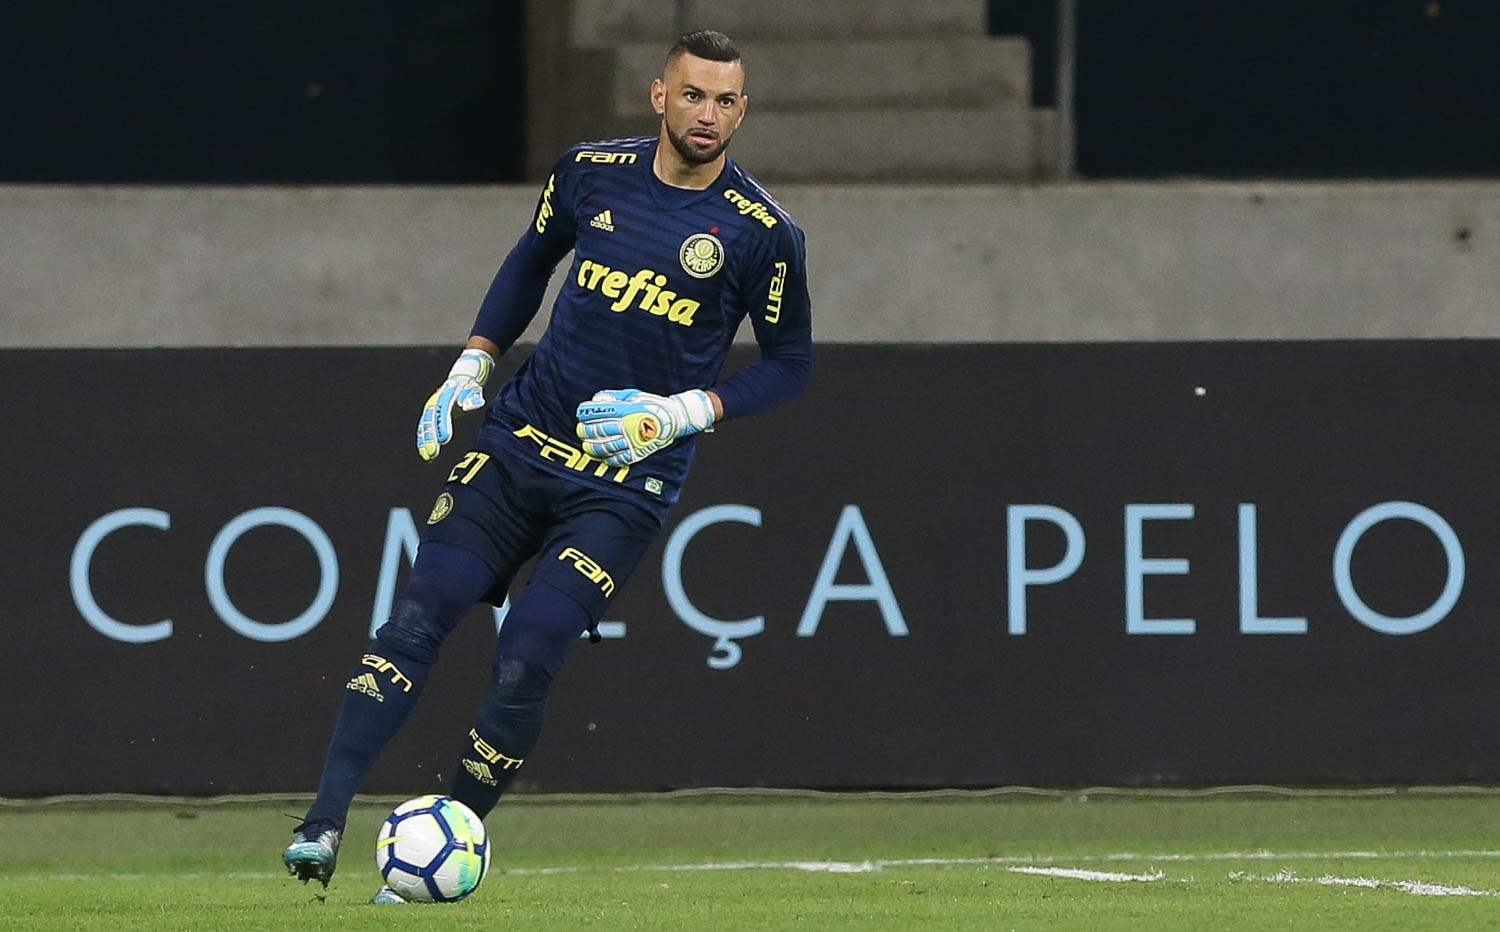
{"x":603,"y":221}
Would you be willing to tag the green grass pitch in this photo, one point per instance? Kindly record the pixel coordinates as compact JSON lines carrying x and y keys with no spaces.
{"x":1409,"y":860}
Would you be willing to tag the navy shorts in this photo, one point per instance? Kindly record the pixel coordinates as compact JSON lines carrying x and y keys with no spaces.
{"x":505,"y":509}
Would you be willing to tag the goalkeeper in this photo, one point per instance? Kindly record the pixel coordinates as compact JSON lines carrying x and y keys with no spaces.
{"x":586,"y":446}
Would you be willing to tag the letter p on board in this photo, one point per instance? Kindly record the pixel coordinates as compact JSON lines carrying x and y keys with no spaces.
{"x":1018,"y":576}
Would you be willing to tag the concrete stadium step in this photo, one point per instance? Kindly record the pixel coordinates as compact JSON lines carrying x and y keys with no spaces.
{"x":867,"y":73}
{"x":841,"y":90}
{"x":603,"y":23}
{"x":898,"y":145}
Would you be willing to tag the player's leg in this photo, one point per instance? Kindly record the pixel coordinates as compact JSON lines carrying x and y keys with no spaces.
{"x":579,"y":568}
{"x":476,"y":537}
{"x":446,"y":581}
{"x":541,"y":627}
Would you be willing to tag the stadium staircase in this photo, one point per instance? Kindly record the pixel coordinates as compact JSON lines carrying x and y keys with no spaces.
{"x":840,"y":90}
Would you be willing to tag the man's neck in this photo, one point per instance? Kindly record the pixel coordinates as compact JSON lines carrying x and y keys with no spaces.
{"x":672,"y":169}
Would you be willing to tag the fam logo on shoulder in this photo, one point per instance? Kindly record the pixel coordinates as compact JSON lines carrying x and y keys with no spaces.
{"x":702,"y":255}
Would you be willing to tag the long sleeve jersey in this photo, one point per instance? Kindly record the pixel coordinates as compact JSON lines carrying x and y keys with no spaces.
{"x":661,"y":279}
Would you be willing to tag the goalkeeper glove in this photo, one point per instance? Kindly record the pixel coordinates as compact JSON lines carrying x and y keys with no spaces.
{"x":464,"y":385}
{"x":624,"y":425}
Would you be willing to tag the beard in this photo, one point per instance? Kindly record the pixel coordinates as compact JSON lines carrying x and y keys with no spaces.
{"x":693,"y":152}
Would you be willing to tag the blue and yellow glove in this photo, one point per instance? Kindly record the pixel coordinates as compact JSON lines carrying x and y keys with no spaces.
{"x":464,"y":385}
{"x":624,"y":425}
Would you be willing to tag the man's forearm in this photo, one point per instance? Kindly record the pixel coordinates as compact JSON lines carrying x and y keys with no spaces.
{"x":485,"y":344}
{"x":775,"y":378}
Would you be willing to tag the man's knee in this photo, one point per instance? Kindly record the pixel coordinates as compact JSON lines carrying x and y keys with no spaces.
{"x":542,"y":626}
{"x":444,"y":584}
{"x":519,"y":681}
{"x":413,"y":630}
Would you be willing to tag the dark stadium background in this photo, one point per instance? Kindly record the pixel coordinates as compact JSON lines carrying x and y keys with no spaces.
{"x":401,"y":92}
{"x":392,"y":91}
{"x":1141,"y":514}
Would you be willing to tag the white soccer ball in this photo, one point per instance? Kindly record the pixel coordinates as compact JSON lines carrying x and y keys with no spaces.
{"x":433,"y":849}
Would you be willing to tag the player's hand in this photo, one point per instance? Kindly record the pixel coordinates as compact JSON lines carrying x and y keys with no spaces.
{"x":465,"y":386}
{"x":624,"y":425}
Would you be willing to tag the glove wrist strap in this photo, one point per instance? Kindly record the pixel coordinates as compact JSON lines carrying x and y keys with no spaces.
{"x":473,"y":364}
{"x":699,"y":407}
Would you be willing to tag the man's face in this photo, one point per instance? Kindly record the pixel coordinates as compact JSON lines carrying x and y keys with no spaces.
{"x":701,"y":103}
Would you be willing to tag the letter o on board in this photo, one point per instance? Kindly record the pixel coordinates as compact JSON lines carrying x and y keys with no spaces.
{"x":328,"y":566}
{"x":1343,"y":554}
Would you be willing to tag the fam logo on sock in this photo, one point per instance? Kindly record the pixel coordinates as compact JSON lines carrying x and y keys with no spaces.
{"x":365,"y":683}
{"x":383,"y":665}
{"x":487,"y":751}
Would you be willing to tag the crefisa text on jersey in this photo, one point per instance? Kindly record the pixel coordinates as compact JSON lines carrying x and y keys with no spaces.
{"x":753,"y":209}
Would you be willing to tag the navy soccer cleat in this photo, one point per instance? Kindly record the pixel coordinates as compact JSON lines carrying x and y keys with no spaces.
{"x":313,"y":853}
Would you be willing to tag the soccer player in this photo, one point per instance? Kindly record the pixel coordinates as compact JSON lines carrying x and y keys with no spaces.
{"x":584,"y":449}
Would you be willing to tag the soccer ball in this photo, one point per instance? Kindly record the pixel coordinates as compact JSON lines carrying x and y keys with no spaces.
{"x":433,"y":849}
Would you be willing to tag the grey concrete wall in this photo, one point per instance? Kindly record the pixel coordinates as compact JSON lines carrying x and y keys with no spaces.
{"x":257,"y":266}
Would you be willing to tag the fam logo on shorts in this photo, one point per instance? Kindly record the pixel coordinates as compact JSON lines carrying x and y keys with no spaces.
{"x":441,"y":508}
{"x":702,"y":255}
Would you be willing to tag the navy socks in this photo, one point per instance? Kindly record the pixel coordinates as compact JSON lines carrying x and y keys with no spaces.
{"x":377,"y":699}
{"x":445,"y":583}
{"x":543,"y":624}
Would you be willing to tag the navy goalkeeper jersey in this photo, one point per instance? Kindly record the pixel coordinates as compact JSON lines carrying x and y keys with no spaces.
{"x":661,"y":279}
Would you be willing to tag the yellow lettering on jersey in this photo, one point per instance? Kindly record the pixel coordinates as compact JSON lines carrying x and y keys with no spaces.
{"x":553,"y":449}
{"x":612,"y":284}
{"x":646,"y":289}
{"x":754,"y":209}
{"x":544,"y":212}
{"x":606,"y":158}
{"x":596,"y":272}
{"x":773,"y":297}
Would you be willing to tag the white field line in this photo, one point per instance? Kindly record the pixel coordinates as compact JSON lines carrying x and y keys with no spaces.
{"x":1073,"y":873}
{"x":873,"y":865}
{"x":863,"y":867}
{"x":161,"y":875}
{"x":1418,"y":887}
{"x":1415,"y":887}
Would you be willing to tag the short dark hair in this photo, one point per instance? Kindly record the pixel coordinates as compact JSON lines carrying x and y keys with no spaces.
{"x":704,"y":43}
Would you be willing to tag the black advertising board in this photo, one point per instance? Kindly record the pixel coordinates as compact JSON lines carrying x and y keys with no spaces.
{"x":1052,"y":564}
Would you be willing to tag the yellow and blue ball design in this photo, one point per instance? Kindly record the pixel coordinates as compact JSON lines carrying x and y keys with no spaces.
{"x":433,"y":849}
